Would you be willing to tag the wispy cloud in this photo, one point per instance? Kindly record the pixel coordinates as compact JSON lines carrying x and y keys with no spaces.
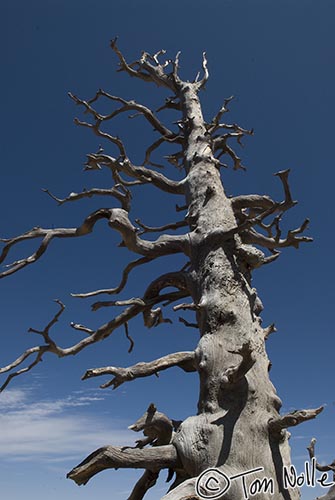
{"x":54,"y":430}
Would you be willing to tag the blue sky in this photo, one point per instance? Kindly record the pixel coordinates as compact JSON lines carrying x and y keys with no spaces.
{"x":277,"y":58}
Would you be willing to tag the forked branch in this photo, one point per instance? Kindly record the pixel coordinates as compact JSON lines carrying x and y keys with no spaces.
{"x":126,"y":106}
{"x":137,"y":307}
{"x":145,"y":70}
{"x":117,"y":219}
{"x":261,"y":207}
{"x":47,"y":236}
{"x":140,"y":173}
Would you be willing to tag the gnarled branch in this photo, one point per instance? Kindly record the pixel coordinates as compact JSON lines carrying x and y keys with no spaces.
{"x":155,"y":425}
{"x":148,"y":72}
{"x":117,"y":219}
{"x":123,"y":282}
{"x":104,"y":331}
{"x":48,"y":235}
{"x":119,"y":192}
{"x":142,"y":174}
{"x":184,"y":360}
{"x":126,"y":106}
{"x":291,"y":240}
{"x":153,"y":317}
{"x":292,"y":419}
{"x":235,"y":373}
{"x":112,"y":457}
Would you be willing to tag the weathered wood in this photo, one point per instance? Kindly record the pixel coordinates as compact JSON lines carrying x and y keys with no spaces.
{"x":112,"y":457}
{"x":238,"y":427}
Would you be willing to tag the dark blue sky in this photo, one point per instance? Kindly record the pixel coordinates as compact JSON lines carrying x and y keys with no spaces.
{"x":277,"y":58}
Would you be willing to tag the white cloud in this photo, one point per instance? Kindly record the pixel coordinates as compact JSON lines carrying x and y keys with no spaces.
{"x":12,"y":398}
{"x":54,"y":430}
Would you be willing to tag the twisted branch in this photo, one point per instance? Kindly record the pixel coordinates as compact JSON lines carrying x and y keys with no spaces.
{"x":153,"y":317}
{"x":48,"y":235}
{"x":94,"y":336}
{"x":126,"y":106}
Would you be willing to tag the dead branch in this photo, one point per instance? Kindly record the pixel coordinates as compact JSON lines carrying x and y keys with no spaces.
{"x":202,"y":82}
{"x":262,"y":202}
{"x":319,"y":467}
{"x":48,"y":235}
{"x":120,"y":287}
{"x":128,"y":302}
{"x":221,"y":147}
{"x":235,"y":373}
{"x":184,"y":307}
{"x":216,"y":120}
{"x":153,"y":317}
{"x":159,"y":429}
{"x":50,"y":345}
{"x":166,"y":299}
{"x":148,"y":229}
{"x":291,"y":240}
{"x":185,"y":361}
{"x":38,"y":350}
{"x":118,"y":192}
{"x":146,"y":481}
{"x":96,"y":129}
{"x":187,"y":323}
{"x":126,"y":106}
{"x":112,"y":457}
{"x":170,"y":103}
{"x":81,"y":328}
{"x":131,"y":342}
{"x":292,"y":419}
{"x":155,"y":145}
{"x":237,"y":165}
{"x":166,"y":134}
{"x":270,"y":329}
{"x":146,"y":71}
{"x":142,"y":174}
{"x":261,"y":207}
{"x":164,"y":245}
{"x":155,"y":425}
{"x":117,"y":219}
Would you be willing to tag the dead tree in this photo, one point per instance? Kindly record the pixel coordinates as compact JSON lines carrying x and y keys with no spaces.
{"x":238,"y":426}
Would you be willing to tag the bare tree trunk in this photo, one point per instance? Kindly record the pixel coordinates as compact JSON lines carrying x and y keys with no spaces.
{"x":237,"y":430}
{"x":237,"y":399}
